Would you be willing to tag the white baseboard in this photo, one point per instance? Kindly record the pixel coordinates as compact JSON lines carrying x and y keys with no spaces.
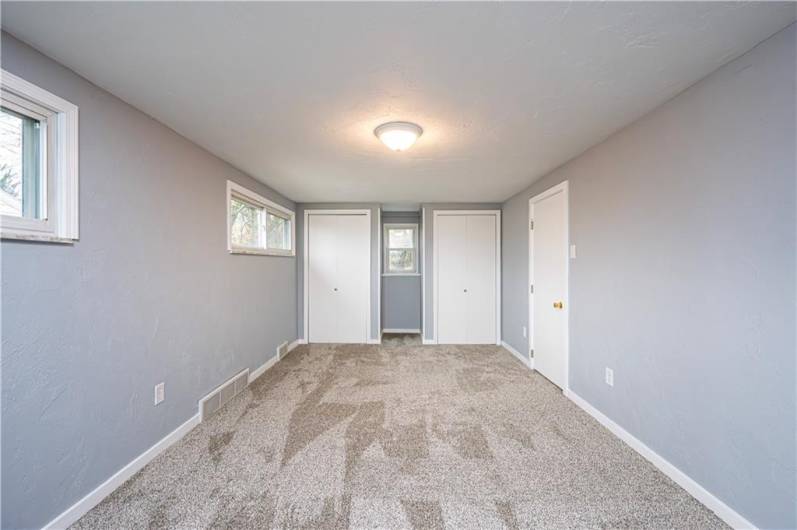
{"x":428,"y":342}
{"x":374,"y":341}
{"x":527,"y":362}
{"x":723,"y":511}
{"x":81,"y":507}
{"x":400,"y":330}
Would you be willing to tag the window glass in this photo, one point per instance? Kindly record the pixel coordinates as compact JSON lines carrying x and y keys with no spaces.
{"x":401,"y":238}
{"x":278,"y":232}
{"x":245,"y":223}
{"x":21,"y":178}
{"x":401,"y":260}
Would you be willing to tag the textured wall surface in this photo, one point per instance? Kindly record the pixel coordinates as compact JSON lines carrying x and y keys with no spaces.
{"x":375,"y":273}
{"x":428,"y":260}
{"x":401,"y":302}
{"x":148,"y":294}
{"x":401,"y":295}
{"x":684,"y":282}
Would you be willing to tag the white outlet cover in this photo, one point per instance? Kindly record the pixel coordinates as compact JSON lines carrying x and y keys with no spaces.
{"x":525,"y":333}
{"x":572,"y":252}
{"x":610,"y":377}
{"x":160,"y":392}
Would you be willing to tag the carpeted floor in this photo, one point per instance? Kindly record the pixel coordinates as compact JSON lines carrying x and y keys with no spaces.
{"x":399,"y":436}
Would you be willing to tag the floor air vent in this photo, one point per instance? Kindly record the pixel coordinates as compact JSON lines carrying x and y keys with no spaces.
{"x":282,"y":350}
{"x":228,"y":390}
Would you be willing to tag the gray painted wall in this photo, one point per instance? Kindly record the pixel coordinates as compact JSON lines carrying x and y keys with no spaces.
{"x":684,"y":282}
{"x":148,"y":294}
{"x":375,"y":252}
{"x":427,"y":211}
{"x":401,"y":295}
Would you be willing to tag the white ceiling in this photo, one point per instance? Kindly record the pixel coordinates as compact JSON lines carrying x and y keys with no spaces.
{"x":291,"y":92}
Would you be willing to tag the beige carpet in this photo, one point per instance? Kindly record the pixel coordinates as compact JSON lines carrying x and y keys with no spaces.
{"x":400,"y":436}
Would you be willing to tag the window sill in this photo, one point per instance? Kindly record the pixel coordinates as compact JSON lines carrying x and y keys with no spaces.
{"x":36,"y":238}
{"x":257,"y":252}
{"x":401,"y":274}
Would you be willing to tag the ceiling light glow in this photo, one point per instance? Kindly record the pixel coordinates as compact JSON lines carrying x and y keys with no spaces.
{"x":398,"y":135}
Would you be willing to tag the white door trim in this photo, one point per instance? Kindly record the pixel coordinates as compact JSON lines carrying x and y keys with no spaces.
{"x":378,"y":338}
{"x":422,"y":270}
{"x":306,"y":272}
{"x":497,"y":214}
{"x":562,"y":187}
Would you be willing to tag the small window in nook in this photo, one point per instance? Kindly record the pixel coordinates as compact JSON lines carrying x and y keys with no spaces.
{"x":257,"y":225}
{"x":401,"y":249}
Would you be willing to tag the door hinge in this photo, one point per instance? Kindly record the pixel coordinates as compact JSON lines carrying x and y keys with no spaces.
{"x":531,"y":289}
{"x":531,"y":225}
{"x":531,"y":353}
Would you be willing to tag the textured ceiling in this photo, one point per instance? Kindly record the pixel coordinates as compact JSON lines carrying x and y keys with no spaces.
{"x":291,"y":93}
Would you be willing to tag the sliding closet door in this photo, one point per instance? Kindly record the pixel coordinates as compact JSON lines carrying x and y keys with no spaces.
{"x":338,"y":276}
{"x":481,"y":281}
{"x":452,"y":281}
{"x":353,"y":264}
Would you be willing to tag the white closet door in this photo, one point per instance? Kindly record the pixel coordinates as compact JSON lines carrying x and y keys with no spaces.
{"x":353,"y":264}
{"x":322,"y":277}
{"x":481,"y":279}
{"x":452,"y":280}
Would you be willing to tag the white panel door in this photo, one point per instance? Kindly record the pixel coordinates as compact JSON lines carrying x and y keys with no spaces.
{"x":549,"y":251}
{"x":338,"y":277}
{"x":452,"y":278}
{"x":481,"y":279}
{"x":322,"y":277}
{"x":353,"y":266}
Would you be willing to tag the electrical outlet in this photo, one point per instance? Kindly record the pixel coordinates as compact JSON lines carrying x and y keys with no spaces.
{"x":160,"y":392}
{"x":525,"y":334}
{"x":609,"y":377}
{"x":572,"y":252}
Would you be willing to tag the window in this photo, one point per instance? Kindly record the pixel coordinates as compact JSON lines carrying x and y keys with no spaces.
{"x":401,"y":249}
{"x":257,"y":225}
{"x":38,"y":163}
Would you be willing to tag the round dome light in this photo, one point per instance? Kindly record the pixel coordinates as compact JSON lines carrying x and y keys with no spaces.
{"x":398,"y":135}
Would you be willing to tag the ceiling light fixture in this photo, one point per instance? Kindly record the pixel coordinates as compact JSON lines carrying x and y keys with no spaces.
{"x":398,"y":135}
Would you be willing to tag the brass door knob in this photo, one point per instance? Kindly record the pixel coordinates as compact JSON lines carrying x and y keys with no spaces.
{"x":558,"y":305}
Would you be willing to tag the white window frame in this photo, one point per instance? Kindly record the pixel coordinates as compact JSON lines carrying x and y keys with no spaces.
{"x":386,"y":249}
{"x":60,"y":163}
{"x":247,"y":195}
